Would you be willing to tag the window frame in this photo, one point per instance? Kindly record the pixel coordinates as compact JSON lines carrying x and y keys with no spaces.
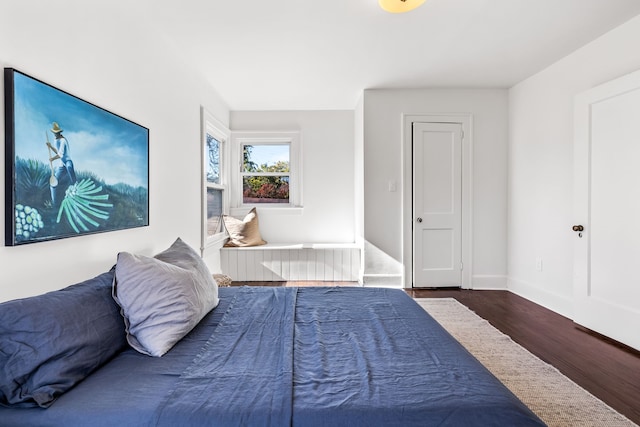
{"x":214,"y":127}
{"x":242,"y":138}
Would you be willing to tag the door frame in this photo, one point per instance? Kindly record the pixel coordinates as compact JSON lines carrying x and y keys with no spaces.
{"x":466,"y":120}
{"x":590,"y":311}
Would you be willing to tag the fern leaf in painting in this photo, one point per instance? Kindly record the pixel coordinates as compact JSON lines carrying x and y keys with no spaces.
{"x":82,"y":206}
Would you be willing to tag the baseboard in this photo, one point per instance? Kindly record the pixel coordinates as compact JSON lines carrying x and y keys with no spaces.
{"x":489,"y":282}
{"x":382,"y":281}
{"x":559,"y":303}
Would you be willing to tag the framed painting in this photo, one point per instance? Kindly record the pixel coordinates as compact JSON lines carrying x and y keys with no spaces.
{"x":71,"y":167}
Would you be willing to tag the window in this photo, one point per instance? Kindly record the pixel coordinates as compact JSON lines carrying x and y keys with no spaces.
{"x":269,"y":169}
{"x":265,"y":173}
{"x":214,"y":187}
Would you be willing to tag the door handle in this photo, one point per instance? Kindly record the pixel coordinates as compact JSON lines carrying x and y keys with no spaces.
{"x":579,"y":229}
{"x":419,"y":219}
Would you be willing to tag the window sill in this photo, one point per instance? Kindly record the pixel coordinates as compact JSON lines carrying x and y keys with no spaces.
{"x":267,"y":210}
{"x":216,"y":241}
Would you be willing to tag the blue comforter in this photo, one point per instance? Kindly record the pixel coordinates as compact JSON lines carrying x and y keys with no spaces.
{"x":295,"y":356}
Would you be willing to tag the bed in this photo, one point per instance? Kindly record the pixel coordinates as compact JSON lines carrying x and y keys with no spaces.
{"x":276,"y":356}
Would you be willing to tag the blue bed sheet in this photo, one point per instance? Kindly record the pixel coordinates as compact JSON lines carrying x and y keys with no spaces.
{"x":377,"y":358}
{"x":247,"y":365}
{"x":295,"y":356}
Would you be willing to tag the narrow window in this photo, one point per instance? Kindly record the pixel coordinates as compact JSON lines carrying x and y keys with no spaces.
{"x":214,"y":188}
{"x":214,"y":179}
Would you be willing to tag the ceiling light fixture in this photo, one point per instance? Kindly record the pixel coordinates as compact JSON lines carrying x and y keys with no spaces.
{"x":399,"y":6}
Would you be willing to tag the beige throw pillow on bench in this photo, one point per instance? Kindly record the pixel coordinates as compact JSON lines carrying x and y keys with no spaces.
{"x":245,"y":232}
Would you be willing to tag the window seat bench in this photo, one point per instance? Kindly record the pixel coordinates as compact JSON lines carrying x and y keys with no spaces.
{"x":292,"y":262}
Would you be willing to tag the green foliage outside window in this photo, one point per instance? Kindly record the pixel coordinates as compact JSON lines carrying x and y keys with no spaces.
{"x":272,"y":187}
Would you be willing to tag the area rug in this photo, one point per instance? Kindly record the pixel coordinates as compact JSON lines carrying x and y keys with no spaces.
{"x":556,"y":399}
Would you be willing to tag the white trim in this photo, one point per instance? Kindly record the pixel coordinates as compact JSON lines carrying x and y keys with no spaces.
{"x":293,"y":138}
{"x":268,"y":210}
{"x":292,"y":246}
{"x":466,"y":120}
{"x":216,"y":240}
{"x":489,"y":282}
{"x":535,"y":292}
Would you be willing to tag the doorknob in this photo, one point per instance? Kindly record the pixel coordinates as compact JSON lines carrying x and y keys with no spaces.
{"x":419,"y":219}
{"x":579,"y":229}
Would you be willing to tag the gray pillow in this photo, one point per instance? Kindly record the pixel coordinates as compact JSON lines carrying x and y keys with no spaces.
{"x":164,"y":297}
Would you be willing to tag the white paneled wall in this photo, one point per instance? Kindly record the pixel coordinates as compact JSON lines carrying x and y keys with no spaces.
{"x":299,"y":262}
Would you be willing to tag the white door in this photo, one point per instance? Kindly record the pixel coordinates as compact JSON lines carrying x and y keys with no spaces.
{"x":607,"y":210}
{"x":437,"y":204}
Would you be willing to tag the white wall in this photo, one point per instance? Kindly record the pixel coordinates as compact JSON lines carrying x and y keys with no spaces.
{"x":383,"y":111}
{"x":328,"y":177}
{"x":541,"y":163}
{"x":94,"y":53}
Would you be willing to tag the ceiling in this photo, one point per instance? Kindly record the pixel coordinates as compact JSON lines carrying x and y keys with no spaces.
{"x":321,"y":54}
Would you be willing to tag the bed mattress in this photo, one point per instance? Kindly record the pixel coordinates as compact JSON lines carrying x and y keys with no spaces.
{"x":317,"y":356}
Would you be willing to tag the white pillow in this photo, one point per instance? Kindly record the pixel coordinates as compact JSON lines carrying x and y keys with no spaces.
{"x":164,"y":297}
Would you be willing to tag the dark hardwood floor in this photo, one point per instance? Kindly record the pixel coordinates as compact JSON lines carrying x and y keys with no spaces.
{"x":608,"y":370}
